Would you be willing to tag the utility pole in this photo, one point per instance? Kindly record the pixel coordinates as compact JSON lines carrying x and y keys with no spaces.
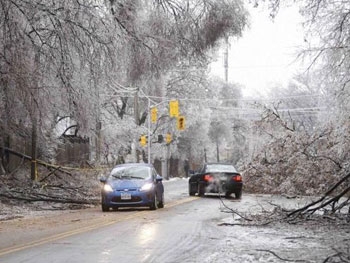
{"x":226,"y":59}
{"x":136,"y":107}
{"x":226,"y":80}
{"x":136,"y":116}
{"x":149,"y":131}
{"x":217,"y":151}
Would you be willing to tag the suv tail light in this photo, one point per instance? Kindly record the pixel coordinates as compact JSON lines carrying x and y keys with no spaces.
{"x":208,"y":178}
{"x":237,"y":178}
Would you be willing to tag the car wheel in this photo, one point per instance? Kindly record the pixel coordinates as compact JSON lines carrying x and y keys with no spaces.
{"x":154,"y":204}
{"x":238,"y":194}
{"x":201,"y":190}
{"x":191,"y":191}
{"x":105,"y":208}
{"x":161,"y":203}
{"x":228,"y":194}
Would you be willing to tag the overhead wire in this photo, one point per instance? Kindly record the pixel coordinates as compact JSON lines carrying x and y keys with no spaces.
{"x":219,"y":100}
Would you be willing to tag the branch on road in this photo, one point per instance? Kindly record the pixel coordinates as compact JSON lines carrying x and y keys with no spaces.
{"x":339,"y":256}
{"x":54,"y":199}
{"x":233,"y":211}
{"x":254,"y":220}
{"x":329,"y":199}
{"x":280,"y":258}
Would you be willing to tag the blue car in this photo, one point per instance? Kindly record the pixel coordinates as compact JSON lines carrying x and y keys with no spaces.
{"x":132,"y":185}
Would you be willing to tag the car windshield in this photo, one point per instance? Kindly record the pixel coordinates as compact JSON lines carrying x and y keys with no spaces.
{"x":220,"y":168}
{"x":131,"y":172}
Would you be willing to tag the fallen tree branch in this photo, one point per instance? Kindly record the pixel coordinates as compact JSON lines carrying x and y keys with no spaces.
{"x":339,"y":256}
{"x":29,"y":158}
{"x":307,"y":208}
{"x":332,"y":200}
{"x":49,"y":199}
{"x":284,"y":259}
{"x":233,"y":211}
{"x":52,"y":172}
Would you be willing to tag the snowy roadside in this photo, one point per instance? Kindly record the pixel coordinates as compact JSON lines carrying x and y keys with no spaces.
{"x":14,"y":209}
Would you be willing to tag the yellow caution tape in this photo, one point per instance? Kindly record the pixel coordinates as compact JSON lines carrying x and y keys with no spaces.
{"x":73,"y":168}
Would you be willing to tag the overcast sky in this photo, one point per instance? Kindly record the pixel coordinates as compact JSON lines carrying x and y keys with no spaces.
{"x":266,"y":53}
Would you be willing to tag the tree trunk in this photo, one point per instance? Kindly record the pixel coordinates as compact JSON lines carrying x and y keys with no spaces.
{"x":34,"y":109}
{"x":33,"y":173}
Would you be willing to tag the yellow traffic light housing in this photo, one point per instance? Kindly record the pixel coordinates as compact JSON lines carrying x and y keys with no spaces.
{"x":174,"y":108}
{"x":143,"y":140}
{"x":168,"y":138}
{"x":154,"y":112}
{"x":181,"y":123}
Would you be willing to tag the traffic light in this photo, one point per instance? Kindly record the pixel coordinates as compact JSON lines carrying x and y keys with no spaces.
{"x":181,"y":123}
{"x":160,"y":138}
{"x":154,"y":112}
{"x":168,"y":138}
{"x":143,"y":140}
{"x":174,"y":108}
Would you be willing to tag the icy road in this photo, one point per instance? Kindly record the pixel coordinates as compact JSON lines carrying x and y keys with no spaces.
{"x":188,"y":229}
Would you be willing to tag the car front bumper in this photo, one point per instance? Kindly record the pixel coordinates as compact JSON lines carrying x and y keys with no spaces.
{"x":137,"y":199}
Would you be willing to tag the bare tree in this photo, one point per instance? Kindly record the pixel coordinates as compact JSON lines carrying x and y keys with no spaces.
{"x":316,"y":148}
{"x":44,"y":47}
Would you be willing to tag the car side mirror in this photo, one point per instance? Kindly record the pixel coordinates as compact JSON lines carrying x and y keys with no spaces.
{"x":103,"y":179}
{"x":159,"y":178}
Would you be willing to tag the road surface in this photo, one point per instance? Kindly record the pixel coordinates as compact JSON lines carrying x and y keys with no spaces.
{"x":187,"y":229}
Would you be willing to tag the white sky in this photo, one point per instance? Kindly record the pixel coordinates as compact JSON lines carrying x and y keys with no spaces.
{"x":266,"y":53}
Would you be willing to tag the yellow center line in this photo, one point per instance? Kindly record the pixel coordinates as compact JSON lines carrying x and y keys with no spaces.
{"x":104,"y":223}
{"x":181,"y":201}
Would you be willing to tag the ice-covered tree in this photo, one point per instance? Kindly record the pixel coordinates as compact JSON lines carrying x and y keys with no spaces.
{"x":86,"y":61}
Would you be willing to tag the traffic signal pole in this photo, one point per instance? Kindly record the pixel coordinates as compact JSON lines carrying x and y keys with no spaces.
{"x":149,"y":131}
{"x":174,"y":112}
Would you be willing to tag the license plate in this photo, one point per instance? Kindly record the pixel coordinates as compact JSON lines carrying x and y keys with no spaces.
{"x":223,"y":178}
{"x":125,"y":196}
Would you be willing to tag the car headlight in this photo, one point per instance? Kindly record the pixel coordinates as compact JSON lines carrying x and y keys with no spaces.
{"x":107,"y":188}
{"x":146,"y":187}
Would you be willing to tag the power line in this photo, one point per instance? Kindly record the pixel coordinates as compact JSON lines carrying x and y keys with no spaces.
{"x":218,"y":100}
{"x":244,"y":100}
{"x":312,"y":109}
